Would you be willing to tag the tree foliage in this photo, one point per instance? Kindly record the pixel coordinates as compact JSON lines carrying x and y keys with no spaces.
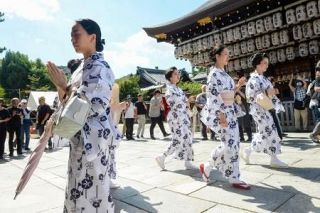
{"x":14,"y":72}
{"x":18,"y":73}
{"x":194,"y":88}
{"x":39,"y":78}
{"x":2,"y":92}
{"x":129,"y":86}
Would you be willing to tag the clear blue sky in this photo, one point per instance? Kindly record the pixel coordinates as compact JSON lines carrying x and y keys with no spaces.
{"x":41,"y":29}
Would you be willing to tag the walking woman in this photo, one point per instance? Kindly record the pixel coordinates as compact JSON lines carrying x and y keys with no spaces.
{"x":263,"y":105}
{"x":220,"y":114}
{"x":179,"y":123}
{"x":88,"y":181}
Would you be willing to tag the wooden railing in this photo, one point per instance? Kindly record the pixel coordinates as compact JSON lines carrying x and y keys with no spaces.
{"x":287,"y":117}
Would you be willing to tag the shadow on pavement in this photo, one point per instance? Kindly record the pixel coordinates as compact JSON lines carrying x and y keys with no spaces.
{"x":134,"y":199}
{"x":267,"y":198}
{"x":309,"y":173}
{"x":302,"y":144}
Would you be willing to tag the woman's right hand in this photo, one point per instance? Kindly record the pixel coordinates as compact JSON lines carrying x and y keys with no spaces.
{"x":223,"y":120}
{"x":48,"y":127}
{"x":57,"y":76}
{"x":271,"y":92}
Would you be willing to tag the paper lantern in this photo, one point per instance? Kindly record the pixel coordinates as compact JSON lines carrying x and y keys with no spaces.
{"x":249,"y":62}
{"x":210,"y":41}
{"x":195,"y":47}
{"x":205,"y":43}
{"x":200,"y":45}
{"x":313,"y":47}
{"x":200,"y":58}
{"x":291,"y":16}
{"x":244,"y":31}
{"x":224,"y":37}
{"x":316,"y":27}
{"x":250,"y":45}
{"x":312,"y":10}
{"x":243,"y":46}
{"x":297,"y":32}
{"x":189,"y":48}
{"x":206,"y":57}
{"x":236,"y":49}
{"x":231,"y":51}
{"x":258,"y":41}
{"x":252,"y":28}
{"x":284,"y":36}
{"x":281,"y":55}
{"x":303,"y":50}
{"x":266,"y":41}
{"x":230,"y":66}
{"x":273,"y":57}
{"x":260,"y":26}
{"x":275,"y":38}
{"x":230,"y":35}
{"x":277,"y":20}
{"x":268,"y":23}
{"x":301,"y":13}
{"x":236,"y":33}
{"x":236,"y":65}
{"x":290,"y":53}
{"x":184,"y":49}
{"x":217,"y":38}
{"x":243,"y":63}
{"x":307,"y":30}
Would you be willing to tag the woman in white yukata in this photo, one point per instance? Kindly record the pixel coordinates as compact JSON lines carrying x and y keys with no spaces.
{"x":89,"y":166}
{"x":220,"y":114}
{"x":179,"y":122}
{"x":267,"y":139}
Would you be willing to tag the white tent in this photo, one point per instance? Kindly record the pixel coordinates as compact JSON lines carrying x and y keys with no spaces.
{"x":34,"y":96}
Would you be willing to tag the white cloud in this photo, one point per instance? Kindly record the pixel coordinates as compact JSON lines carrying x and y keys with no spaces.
{"x":140,"y":50}
{"x":30,"y":9}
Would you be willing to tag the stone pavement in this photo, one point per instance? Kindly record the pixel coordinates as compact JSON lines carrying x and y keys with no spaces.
{"x":144,"y":188}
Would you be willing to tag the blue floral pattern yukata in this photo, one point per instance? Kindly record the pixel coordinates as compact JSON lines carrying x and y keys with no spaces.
{"x":179,"y":123}
{"x":266,"y":140}
{"x":226,"y":156}
{"x":91,"y":149}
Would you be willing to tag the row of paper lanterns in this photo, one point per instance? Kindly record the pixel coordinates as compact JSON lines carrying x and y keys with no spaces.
{"x":280,"y":55}
{"x":268,"y":23}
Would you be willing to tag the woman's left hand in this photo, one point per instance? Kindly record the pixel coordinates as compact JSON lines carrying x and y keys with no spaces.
{"x":57,"y":76}
{"x":242,"y":81}
{"x":271,"y":92}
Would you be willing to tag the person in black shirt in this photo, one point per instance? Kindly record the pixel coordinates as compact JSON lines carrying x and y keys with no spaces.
{"x":4,"y":118}
{"x":14,"y":126}
{"x":44,"y":112}
{"x":141,"y":111}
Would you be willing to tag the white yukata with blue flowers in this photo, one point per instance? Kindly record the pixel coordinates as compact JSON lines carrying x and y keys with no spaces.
{"x":179,"y":123}
{"x":90,"y":160}
{"x":226,"y":156}
{"x":266,"y":140}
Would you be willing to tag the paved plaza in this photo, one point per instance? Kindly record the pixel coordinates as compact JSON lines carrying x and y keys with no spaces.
{"x":144,"y":188}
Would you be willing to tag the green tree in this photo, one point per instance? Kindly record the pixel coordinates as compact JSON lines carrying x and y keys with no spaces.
{"x":14,"y":72}
{"x":2,"y":92}
{"x":129,"y":86}
{"x":1,"y":20}
{"x":194,"y":88}
{"x":38,"y":77}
